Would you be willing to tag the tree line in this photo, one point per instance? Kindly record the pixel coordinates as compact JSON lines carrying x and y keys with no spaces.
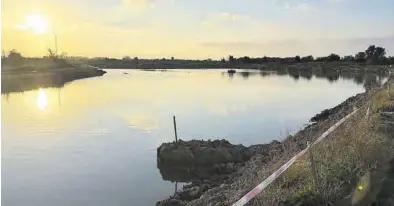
{"x":373,"y":55}
{"x":15,"y":58}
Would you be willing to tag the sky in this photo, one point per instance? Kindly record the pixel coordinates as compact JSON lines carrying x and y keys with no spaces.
{"x":196,"y":29}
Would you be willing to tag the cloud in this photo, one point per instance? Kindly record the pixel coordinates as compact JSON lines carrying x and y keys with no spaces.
{"x":225,"y":17}
{"x":292,"y":47}
{"x":300,"y":7}
{"x":137,"y":5}
{"x":335,"y":1}
{"x":127,"y":14}
{"x":305,"y":7}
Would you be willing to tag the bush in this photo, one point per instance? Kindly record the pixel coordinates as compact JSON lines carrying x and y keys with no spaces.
{"x":14,"y":58}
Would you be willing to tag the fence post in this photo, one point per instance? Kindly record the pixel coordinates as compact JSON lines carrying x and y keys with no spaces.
{"x":313,"y":167}
{"x":368,"y":111}
{"x":176,"y":135}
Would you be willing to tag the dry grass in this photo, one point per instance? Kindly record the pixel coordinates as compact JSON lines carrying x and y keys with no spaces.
{"x":353,"y":148}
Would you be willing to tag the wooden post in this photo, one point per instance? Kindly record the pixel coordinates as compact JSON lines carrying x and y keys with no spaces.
{"x":176,"y":135}
{"x":313,"y":167}
{"x":368,"y":111}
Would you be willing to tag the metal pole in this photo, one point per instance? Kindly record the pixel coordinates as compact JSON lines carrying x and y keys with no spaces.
{"x":56,"y":43}
{"x":313,"y":167}
{"x":176,"y":135}
{"x":176,"y":187}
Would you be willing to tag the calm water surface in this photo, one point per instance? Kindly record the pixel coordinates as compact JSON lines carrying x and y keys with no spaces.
{"x":93,"y":142}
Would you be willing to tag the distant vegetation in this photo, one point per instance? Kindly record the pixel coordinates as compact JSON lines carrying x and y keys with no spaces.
{"x":373,"y":55}
{"x":21,"y":73}
{"x":15,"y":61}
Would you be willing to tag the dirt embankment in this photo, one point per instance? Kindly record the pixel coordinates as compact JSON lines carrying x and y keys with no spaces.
{"x":224,"y":186}
{"x":19,"y":81}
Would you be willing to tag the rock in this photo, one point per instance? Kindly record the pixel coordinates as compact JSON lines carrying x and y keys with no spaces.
{"x":169,"y":202}
{"x":188,"y":161}
{"x":194,"y":192}
{"x":216,"y":198}
{"x":230,"y":166}
{"x":231,"y":71}
{"x":190,"y":193}
{"x":201,"y":153}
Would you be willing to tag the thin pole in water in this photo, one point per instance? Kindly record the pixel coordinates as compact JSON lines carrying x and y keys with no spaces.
{"x":176,"y":135}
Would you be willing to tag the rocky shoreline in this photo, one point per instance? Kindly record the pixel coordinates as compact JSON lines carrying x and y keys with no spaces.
{"x":224,"y":186}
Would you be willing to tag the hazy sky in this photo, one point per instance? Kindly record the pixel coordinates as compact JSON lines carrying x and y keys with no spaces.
{"x":197,"y":28}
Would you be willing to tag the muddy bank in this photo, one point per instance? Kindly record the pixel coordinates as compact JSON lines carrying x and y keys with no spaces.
{"x":224,"y":188}
{"x":23,"y":81}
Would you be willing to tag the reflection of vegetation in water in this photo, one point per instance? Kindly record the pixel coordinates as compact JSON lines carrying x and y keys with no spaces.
{"x":281,"y":72}
{"x":330,"y":75}
{"x":359,"y":78}
{"x":294,"y":73}
{"x":245,"y":75}
{"x":265,"y":74}
{"x":368,"y":80}
{"x":306,"y":74}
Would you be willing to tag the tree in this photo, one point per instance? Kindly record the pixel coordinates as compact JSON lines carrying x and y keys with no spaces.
{"x":63,"y":55}
{"x":231,"y":58}
{"x":15,"y":58}
{"x":3,"y":58}
{"x":370,"y":52}
{"x":52,"y":54}
{"x":320,"y":59}
{"x":245,"y":59}
{"x":379,"y":53}
{"x":360,"y":57}
{"x":307,"y":58}
{"x":297,"y":58}
{"x":391,"y":59}
{"x":374,"y":54}
{"x":348,"y":58}
{"x":223,"y":60}
{"x":126,"y":58}
{"x":333,"y":57}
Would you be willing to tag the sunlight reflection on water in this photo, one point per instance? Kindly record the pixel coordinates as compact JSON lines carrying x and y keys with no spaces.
{"x":42,"y":100}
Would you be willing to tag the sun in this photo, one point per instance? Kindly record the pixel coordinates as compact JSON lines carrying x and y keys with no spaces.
{"x":35,"y":22}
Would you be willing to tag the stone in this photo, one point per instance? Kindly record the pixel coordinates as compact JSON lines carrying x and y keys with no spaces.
{"x":196,"y":152}
{"x":169,"y":202}
{"x":194,"y":192}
